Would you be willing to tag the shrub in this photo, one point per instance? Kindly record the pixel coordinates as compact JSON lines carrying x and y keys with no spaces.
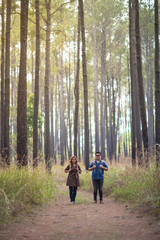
{"x":138,"y":186}
{"x":22,"y":188}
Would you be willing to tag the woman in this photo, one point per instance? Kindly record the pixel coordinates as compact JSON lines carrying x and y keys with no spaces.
{"x":73,"y":177}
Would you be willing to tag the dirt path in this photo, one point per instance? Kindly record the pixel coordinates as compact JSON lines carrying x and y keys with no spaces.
{"x":84,"y":220}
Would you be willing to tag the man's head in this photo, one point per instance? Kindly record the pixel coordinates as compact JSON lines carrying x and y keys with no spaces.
{"x":98,"y":155}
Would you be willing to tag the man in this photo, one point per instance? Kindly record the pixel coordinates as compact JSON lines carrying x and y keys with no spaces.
{"x":98,"y":166}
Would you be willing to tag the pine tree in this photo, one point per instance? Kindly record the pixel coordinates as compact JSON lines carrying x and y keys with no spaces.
{"x":22,"y":150}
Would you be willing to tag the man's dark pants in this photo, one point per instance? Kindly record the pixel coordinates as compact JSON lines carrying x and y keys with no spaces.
{"x":98,"y":184}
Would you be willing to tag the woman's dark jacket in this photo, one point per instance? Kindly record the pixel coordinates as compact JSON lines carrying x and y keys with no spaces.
{"x":73,"y":176}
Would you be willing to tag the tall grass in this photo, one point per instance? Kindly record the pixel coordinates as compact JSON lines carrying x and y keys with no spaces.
{"x":22,"y":189}
{"x":138,"y":186}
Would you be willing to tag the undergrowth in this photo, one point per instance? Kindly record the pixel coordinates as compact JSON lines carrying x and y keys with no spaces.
{"x":137,"y":186}
{"x":21,"y":189}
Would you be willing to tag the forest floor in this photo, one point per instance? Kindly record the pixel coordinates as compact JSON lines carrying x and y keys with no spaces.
{"x":83,"y":220}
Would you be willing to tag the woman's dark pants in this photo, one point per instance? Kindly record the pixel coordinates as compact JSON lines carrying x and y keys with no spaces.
{"x":72,"y":193}
{"x":98,"y":184}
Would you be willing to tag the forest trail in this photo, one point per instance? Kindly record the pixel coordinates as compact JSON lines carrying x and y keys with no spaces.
{"x":82,"y":221}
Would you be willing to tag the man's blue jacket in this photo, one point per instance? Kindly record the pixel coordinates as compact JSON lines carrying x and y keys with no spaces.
{"x":98,"y":173}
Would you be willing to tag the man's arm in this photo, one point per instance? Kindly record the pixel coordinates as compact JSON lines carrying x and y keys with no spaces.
{"x":104,"y":168}
{"x":92,"y":168}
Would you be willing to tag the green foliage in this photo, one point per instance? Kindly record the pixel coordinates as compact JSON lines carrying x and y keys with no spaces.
{"x":138,"y":186}
{"x":30,"y":114}
{"x":22,"y":189}
{"x":85,"y":181}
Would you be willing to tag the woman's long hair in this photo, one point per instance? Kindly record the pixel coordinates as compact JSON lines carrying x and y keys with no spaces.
{"x":70,"y":161}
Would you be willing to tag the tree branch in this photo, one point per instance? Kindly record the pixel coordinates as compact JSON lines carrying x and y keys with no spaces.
{"x":39,"y":12}
{"x":59,"y":8}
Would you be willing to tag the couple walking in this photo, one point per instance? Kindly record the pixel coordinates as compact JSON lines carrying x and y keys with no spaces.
{"x":98,"y":166}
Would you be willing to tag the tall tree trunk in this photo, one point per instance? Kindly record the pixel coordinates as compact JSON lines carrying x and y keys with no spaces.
{"x":114,"y":118}
{"x":22,"y":150}
{"x":151,"y":140}
{"x":79,"y":140}
{"x":41,"y":103}
{"x":119,"y":110}
{"x":69,"y":111}
{"x":140,"y":83}
{"x":76,"y":88}
{"x":136,"y":113}
{"x":84,"y":63}
{"x":82,"y":133}
{"x":110,"y":105}
{"x":106,"y":116}
{"x":36,"y":89}
{"x":7,"y":84}
{"x":157,"y":85}
{"x":14,"y":103}
{"x":2,"y":79}
{"x":56,"y":113}
{"x":103,"y":78}
{"x":95,"y":86}
{"x":131,"y":24}
{"x":52,"y":124}
{"x":46,"y":99}
{"x":32,"y":72}
{"x":91,"y":141}
{"x":62,"y":126}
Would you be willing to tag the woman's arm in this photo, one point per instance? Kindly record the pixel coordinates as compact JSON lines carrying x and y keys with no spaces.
{"x":79,"y":169}
{"x":67,"y":169}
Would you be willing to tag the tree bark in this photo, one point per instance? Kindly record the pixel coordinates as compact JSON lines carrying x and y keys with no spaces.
{"x":96,"y":115}
{"x":79,"y":140}
{"x":22,"y":150}
{"x":151,"y":140}
{"x":106,"y":116}
{"x":62,"y":126}
{"x":7,"y":84}
{"x":69,"y":110}
{"x":119,"y":107}
{"x":131,"y":29}
{"x":46,"y":99}
{"x":2,"y":80}
{"x":140,"y":83}
{"x":90,"y":130}
{"x":103,"y":78}
{"x":157,"y":85}
{"x":76,"y":88}
{"x":36,"y":89}
{"x":114,"y":118}
{"x":110,"y":105}
{"x":52,"y":123}
{"x":32,"y":71}
{"x":85,"y":86}
{"x":56,"y":113}
{"x":136,"y":113}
